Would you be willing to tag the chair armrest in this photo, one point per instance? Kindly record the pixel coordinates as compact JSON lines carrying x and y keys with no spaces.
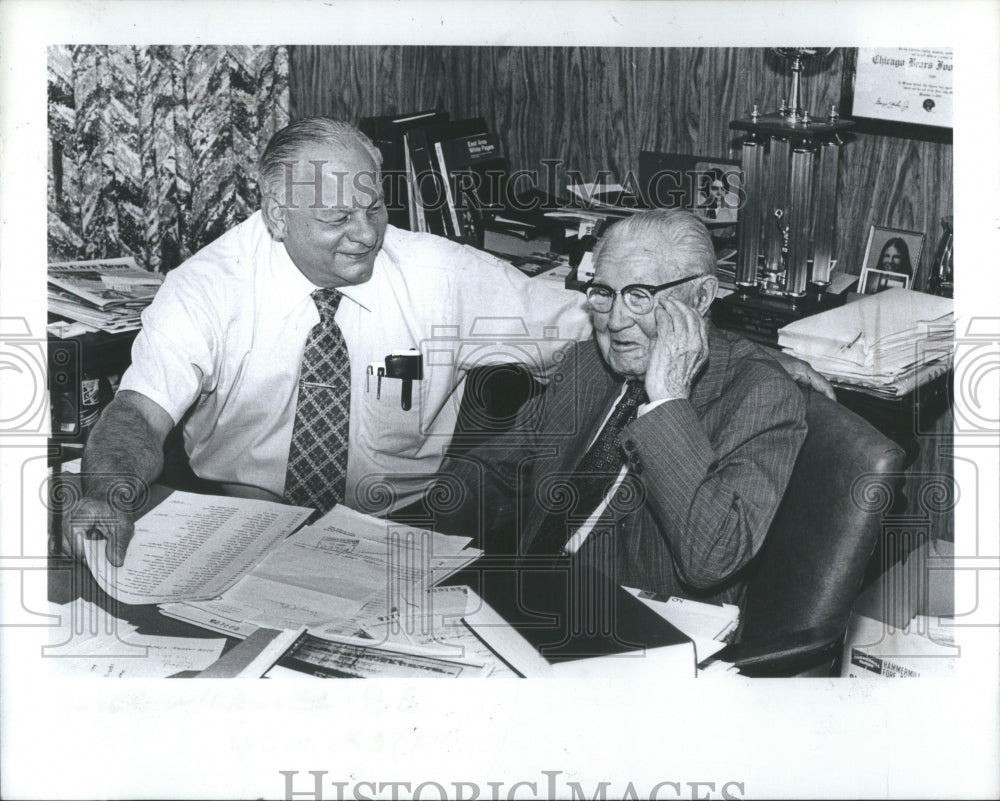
{"x":788,"y":654}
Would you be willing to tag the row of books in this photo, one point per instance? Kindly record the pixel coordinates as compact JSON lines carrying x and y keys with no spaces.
{"x":440,"y":176}
{"x":102,"y":295}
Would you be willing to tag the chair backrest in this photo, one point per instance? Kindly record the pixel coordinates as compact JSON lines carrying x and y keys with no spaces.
{"x":810,"y":569}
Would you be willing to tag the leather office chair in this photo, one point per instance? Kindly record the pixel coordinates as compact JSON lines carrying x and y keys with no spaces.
{"x":802,"y":584}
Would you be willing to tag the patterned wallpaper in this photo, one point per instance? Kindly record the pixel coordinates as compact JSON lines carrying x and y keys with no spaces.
{"x":153,"y":150}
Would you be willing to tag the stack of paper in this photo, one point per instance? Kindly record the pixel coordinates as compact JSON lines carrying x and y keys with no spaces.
{"x":345,"y":568}
{"x":885,"y":344}
{"x":612,"y":198}
{"x":106,"y":295}
{"x":192,"y":546}
{"x":90,"y":641}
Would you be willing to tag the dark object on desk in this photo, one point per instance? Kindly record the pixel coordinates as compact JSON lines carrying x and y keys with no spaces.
{"x":511,"y":240}
{"x":521,"y":227}
{"x":569,"y":612}
{"x":805,"y":579}
{"x":759,"y":317}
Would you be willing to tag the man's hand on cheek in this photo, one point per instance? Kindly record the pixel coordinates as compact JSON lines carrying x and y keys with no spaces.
{"x":680,"y":349}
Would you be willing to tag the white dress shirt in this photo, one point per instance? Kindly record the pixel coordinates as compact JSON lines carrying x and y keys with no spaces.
{"x":225,"y":335}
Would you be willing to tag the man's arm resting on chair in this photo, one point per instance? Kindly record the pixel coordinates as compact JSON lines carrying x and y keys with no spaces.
{"x":127,"y":441}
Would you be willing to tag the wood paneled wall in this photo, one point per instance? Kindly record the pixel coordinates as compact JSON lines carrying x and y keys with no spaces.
{"x":594,"y":109}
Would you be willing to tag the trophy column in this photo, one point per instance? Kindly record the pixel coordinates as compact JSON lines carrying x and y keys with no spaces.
{"x":788,"y":222}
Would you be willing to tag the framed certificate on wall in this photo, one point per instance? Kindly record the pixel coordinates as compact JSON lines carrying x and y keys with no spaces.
{"x":899,"y":91}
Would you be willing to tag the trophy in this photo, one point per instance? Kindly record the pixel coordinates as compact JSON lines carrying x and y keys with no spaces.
{"x":786,"y":227}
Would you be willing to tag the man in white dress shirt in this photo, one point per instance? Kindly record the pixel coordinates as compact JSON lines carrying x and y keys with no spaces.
{"x":221,"y":345}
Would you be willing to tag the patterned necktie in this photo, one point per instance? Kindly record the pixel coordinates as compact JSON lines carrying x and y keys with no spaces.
{"x":317,"y":457}
{"x":594,"y":475}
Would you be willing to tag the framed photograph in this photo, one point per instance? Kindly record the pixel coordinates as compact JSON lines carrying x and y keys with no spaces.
{"x":718,"y":187}
{"x":891,"y":259}
{"x":708,"y":187}
{"x":899,"y":91}
{"x":874,"y":281}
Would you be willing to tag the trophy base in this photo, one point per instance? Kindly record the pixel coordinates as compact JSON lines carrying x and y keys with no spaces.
{"x":759,"y":317}
{"x":783,"y":126}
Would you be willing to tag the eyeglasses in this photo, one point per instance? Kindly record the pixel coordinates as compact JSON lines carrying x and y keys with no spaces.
{"x":638,"y":298}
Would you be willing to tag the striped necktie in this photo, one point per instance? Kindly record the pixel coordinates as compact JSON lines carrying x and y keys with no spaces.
{"x":317,"y":456}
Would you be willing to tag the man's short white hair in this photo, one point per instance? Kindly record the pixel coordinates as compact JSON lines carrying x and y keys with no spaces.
{"x":681,"y":238}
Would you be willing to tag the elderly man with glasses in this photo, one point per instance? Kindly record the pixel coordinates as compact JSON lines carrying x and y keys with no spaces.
{"x":661,"y":450}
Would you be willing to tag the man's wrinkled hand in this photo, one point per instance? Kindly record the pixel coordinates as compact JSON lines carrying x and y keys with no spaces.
{"x":680,"y":350}
{"x":94,"y":518}
{"x":803,"y":373}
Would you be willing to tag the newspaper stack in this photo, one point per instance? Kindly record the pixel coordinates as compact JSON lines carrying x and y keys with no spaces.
{"x":885,"y":345}
{"x":102,"y":295}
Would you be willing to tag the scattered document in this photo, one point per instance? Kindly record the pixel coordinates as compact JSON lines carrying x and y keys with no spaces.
{"x":438,"y":626}
{"x":253,"y":657}
{"x":507,"y":643}
{"x":344,"y":568}
{"x":924,"y":647}
{"x":356,"y":657}
{"x":708,"y":625}
{"x":89,"y":641}
{"x":428,"y":640}
{"x":193,"y":546}
{"x":903,"y":625}
{"x":64,"y":330}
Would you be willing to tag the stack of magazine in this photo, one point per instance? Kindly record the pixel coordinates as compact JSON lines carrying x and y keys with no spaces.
{"x":103,"y":295}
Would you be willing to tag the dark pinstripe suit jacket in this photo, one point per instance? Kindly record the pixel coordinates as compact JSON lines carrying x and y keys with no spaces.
{"x":706,"y":475}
